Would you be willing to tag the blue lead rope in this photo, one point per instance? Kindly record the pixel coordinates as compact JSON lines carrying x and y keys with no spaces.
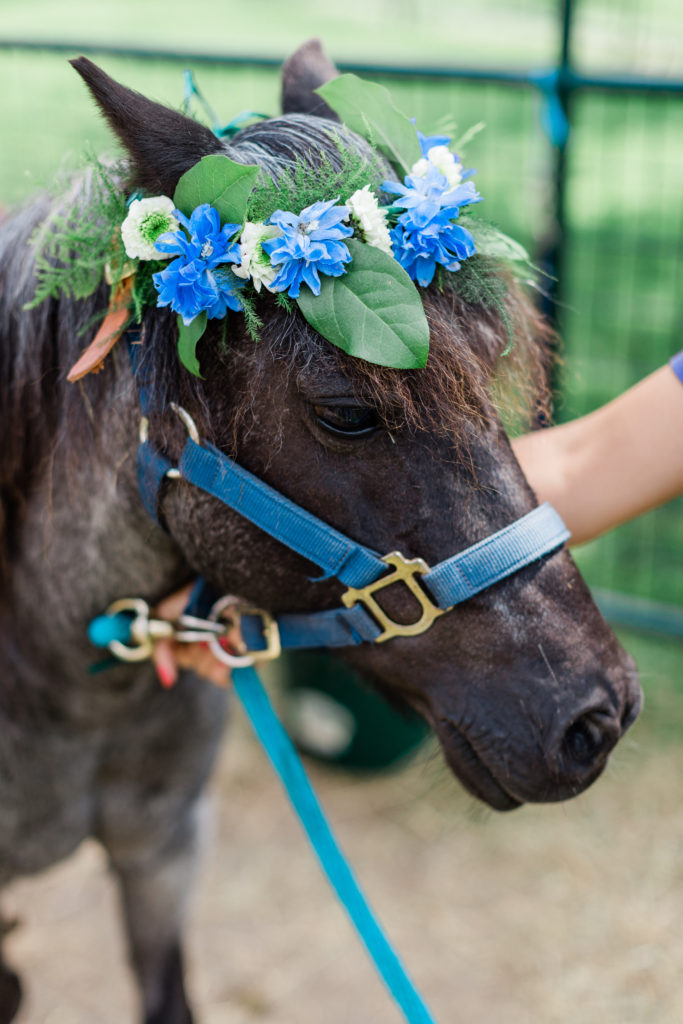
{"x":290,"y":770}
{"x":287,"y":764}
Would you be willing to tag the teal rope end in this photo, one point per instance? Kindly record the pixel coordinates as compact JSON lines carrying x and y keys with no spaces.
{"x":105,"y":628}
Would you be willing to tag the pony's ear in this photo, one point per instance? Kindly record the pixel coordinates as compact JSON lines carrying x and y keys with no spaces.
{"x":162,"y":143}
{"x":302,"y":73}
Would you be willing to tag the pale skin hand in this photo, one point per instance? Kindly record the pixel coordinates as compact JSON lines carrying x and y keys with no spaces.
{"x":170,"y":656}
{"x":614,"y":464}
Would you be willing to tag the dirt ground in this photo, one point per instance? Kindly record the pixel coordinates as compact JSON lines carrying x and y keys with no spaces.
{"x":548,"y":915}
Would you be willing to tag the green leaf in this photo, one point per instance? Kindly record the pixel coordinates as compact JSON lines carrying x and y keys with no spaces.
{"x":458,"y":145}
{"x":492,"y":242}
{"x":373,"y":312}
{"x":367,"y":108}
{"x":220,"y":181}
{"x":188,"y":336}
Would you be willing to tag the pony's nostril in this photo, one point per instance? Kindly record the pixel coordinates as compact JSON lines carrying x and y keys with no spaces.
{"x":583,"y":741}
{"x":590,"y":737}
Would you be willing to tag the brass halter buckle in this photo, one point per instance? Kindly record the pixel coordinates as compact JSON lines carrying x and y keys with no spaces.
{"x":405,"y":571}
{"x":228,"y":611}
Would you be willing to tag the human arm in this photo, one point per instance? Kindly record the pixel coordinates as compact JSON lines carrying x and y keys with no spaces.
{"x":613,"y":464}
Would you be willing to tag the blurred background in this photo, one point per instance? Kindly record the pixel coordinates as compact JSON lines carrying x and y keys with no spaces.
{"x":551,"y":911}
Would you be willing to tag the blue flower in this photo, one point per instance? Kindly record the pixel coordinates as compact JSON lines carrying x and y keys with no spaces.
{"x":419,"y":250}
{"x":195,"y":281}
{"x":309,"y":245}
{"x":427,"y":141}
{"x":427,"y":194}
{"x":425,"y":234}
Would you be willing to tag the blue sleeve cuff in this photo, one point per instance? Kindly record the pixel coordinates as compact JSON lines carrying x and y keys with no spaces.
{"x":676,"y":364}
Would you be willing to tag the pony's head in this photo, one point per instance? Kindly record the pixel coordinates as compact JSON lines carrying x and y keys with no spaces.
{"x":524,"y":684}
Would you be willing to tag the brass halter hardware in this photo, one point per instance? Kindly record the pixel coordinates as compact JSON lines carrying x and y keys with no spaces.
{"x":184,"y":417}
{"x":187,"y":421}
{"x":143,"y":630}
{"x":229,"y":610}
{"x":404,"y":571}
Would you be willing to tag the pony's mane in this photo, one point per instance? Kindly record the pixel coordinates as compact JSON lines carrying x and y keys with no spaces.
{"x":38,"y":346}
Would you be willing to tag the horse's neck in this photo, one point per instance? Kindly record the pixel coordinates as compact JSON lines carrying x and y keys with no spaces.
{"x":84,"y":540}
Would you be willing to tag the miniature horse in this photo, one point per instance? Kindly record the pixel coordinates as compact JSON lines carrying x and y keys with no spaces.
{"x":524,"y":685}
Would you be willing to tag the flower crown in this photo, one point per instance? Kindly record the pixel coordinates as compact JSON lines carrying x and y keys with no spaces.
{"x":351,"y":263}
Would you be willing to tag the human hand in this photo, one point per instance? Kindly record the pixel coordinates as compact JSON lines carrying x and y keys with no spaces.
{"x":169,"y":656}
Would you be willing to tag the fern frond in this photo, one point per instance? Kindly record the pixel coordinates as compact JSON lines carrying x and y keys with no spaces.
{"x":80,"y":237}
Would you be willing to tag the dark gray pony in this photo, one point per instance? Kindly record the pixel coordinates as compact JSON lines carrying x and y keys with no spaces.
{"x":524,"y":685}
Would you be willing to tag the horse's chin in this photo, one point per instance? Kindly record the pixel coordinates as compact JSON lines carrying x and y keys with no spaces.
{"x":477,"y":779}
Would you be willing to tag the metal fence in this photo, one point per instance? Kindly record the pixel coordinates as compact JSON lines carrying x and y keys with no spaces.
{"x":585,"y":166}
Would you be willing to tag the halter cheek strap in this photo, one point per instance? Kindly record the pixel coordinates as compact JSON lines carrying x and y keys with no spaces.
{"x":435,"y":590}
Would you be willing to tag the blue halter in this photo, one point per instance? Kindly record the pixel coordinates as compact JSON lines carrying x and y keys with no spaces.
{"x":365,"y":572}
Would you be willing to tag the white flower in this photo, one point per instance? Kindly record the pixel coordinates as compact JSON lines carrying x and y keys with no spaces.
{"x":255,"y":262}
{"x":146,"y":220}
{"x":442,"y":158}
{"x":371,"y":217}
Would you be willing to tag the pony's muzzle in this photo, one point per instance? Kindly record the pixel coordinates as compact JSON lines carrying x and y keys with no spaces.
{"x":555,"y":765}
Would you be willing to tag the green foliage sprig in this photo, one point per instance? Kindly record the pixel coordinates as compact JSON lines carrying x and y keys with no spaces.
{"x":306,"y":185}
{"x":80,"y":238}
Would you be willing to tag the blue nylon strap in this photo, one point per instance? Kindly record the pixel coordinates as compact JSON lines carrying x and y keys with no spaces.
{"x":152,"y":468}
{"x":208,"y":468}
{"x":457,"y":578}
{"x":338,"y":627}
{"x":286,"y":763}
{"x":450,"y":582}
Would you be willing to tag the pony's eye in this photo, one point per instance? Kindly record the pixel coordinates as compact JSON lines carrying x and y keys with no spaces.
{"x":347,"y":420}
